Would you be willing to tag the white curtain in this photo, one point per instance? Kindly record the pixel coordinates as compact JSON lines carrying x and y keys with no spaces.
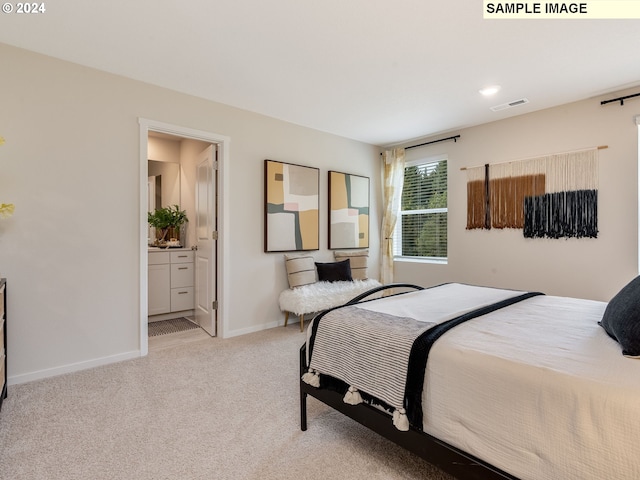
{"x":393,"y":164}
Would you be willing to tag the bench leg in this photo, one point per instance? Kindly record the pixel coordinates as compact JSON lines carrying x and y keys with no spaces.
{"x":286,"y":318}
{"x":302,"y":322}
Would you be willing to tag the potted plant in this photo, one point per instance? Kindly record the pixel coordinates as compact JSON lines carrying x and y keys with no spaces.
{"x":168,"y":222}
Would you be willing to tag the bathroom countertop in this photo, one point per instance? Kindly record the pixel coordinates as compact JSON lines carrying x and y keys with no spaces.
{"x":174,"y":249}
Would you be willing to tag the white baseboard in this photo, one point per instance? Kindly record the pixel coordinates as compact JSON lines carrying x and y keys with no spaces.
{"x":257,"y":328}
{"x":74,"y":367}
{"x":97,"y":362}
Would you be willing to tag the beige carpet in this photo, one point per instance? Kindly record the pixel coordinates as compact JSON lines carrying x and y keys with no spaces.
{"x":212,"y":409}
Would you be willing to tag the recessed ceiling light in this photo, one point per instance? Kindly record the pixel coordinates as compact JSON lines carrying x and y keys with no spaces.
{"x":491,"y":90}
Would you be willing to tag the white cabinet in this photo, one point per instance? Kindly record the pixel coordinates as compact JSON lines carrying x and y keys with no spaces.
{"x":171,"y":281}
{"x":182,"y":281}
{"x":159,"y":287}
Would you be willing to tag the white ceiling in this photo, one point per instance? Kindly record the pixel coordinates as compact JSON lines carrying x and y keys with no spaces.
{"x":378,"y":71}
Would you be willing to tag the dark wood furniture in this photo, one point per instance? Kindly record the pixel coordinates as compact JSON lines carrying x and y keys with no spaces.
{"x":3,"y":338}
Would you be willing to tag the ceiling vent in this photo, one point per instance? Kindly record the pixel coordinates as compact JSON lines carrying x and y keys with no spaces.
{"x":515,"y":103}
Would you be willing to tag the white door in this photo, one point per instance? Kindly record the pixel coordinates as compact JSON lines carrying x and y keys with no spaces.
{"x":151,"y":206}
{"x":206,"y":225}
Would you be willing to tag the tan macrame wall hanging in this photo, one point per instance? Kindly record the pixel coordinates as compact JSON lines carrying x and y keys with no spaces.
{"x":552,"y":196}
{"x":477,"y":212}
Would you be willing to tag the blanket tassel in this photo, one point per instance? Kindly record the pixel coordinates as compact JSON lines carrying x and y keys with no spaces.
{"x":400,"y":420}
{"x":312,"y":378}
{"x":352,"y":397}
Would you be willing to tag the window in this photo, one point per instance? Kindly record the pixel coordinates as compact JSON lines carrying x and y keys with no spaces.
{"x":421,"y":229}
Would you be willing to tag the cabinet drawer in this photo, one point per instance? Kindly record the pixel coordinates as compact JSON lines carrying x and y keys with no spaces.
{"x":157,"y":258}
{"x":182,"y":299}
{"x":182,"y":275}
{"x":183,"y":256}
{"x":3,"y":374}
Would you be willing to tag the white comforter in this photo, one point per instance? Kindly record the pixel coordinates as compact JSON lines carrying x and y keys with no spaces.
{"x":537,"y":389}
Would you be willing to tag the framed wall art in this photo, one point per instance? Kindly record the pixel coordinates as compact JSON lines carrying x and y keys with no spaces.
{"x":291,"y":207}
{"x":348,"y":211}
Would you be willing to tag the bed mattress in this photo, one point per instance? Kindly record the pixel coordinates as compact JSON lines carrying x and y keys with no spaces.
{"x":536,"y":389}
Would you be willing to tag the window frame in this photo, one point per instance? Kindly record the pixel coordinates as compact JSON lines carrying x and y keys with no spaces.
{"x":397,"y":232}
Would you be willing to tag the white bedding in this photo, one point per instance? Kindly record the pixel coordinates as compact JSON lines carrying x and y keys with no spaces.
{"x":537,"y":389}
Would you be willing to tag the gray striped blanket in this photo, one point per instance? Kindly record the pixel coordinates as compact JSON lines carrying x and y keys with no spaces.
{"x":348,"y":348}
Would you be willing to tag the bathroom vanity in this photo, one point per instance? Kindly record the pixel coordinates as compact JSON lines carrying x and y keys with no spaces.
{"x":171,"y":283}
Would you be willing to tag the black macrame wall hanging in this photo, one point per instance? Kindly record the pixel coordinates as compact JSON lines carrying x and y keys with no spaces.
{"x":555,"y":196}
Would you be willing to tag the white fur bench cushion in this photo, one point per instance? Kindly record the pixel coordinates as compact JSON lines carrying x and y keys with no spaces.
{"x":322,"y":295}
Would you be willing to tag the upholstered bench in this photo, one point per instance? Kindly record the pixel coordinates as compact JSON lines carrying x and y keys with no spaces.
{"x":314,"y":287}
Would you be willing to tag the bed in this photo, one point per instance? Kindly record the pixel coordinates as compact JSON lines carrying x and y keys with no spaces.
{"x":513,"y":385}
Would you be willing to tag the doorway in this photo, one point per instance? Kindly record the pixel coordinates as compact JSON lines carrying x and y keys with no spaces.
{"x":215,"y":220}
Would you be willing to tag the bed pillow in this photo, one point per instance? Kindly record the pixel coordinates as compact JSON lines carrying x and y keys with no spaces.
{"x":621,"y":319}
{"x":334,"y":271}
{"x":358,"y":261}
{"x":300,"y":270}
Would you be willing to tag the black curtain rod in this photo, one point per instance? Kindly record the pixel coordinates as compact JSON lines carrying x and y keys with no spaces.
{"x":454,"y":138}
{"x":619,"y":99}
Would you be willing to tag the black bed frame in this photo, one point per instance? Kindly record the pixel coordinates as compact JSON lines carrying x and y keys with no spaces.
{"x":444,"y":456}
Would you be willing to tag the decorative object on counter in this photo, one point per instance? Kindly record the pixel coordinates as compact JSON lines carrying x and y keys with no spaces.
{"x":168,"y":222}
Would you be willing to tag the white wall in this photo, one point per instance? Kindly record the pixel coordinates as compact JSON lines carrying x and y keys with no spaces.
{"x":163,"y":149}
{"x":589,"y":268}
{"x":71,"y":166}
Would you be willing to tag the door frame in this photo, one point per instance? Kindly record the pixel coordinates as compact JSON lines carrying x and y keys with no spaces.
{"x":222,"y":270}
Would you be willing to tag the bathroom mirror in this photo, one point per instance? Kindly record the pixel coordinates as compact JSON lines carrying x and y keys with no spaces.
{"x":164,"y":184}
